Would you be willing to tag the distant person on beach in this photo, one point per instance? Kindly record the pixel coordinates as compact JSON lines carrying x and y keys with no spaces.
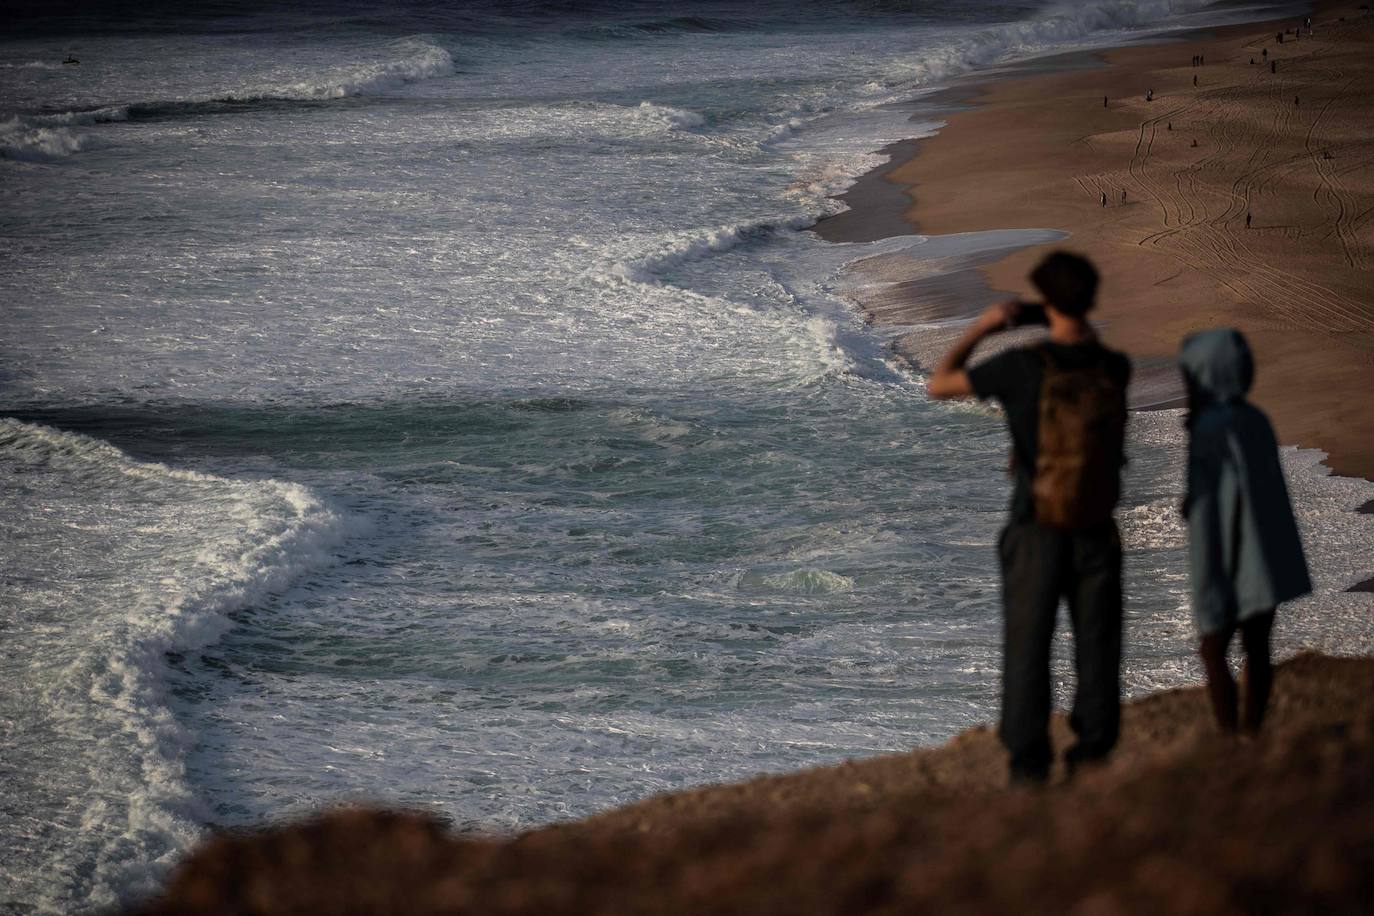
{"x":1065,"y":403}
{"x":1149,"y":95}
{"x":1123,"y":195}
{"x":1104,"y":198}
{"x":1104,"y":101}
{"x":1243,"y":543}
{"x":1247,"y":220}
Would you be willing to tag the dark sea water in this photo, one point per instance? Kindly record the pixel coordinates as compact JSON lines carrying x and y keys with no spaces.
{"x":446,"y":405}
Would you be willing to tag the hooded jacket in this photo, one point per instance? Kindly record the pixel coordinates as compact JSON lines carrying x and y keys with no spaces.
{"x":1246,"y":554}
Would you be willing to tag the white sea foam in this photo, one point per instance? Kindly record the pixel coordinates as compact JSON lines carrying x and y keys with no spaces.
{"x":416,"y":59}
{"x":661,"y":255}
{"x":23,"y":140}
{"x":1060,"y":27}
{"x":49,"y":136}
{"x":804,"y":581}
{"x":674,"y":118}
{"x":150,"y":560}
{"x":42,"y":137}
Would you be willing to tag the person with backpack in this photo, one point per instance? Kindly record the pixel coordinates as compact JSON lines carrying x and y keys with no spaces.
{"x":1244,"y":549}
{"x":1065,"y":404}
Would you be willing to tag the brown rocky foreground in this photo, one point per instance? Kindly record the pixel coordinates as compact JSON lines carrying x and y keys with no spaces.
{"x":1182,"y":821}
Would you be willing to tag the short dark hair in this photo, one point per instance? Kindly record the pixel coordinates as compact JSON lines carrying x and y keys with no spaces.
{"x":1067,"y":281}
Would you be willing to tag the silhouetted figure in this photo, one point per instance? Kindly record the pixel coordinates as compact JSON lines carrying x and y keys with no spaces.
{"x":1265,"y":53}
{"x":1104,"y":198}
{"x":1060,"y":540}
{"x":1273,"y":66}
{"x":1123,"y":195}
{"x":1149,"y":95}
{"x":1247,"y":220}
{"x":1169,"y":126}
{"x":1295,"y":101}
{"x":1245,"y":552}
{"x":1195,"y":80}
{"x":1252,"y":61}
{"x":1104,"y":101}
{"x":1195,"y":141}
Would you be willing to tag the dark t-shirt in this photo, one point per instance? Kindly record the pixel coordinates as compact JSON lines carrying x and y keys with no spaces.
{"x":1013,"y":379}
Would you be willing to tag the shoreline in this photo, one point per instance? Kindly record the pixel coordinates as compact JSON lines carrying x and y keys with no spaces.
{"x":1035,"y":149}
{"x":928,"y":830}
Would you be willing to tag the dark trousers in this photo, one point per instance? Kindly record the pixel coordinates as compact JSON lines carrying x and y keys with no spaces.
{"x":1039,"y":566}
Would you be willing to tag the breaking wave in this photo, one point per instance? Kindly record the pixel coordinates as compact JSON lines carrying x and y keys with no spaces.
{"x":651,"y":263}
{"x":154,"y":560}
{"x":47,"y":136}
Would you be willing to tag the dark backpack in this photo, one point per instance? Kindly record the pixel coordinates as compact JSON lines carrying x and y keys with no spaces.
{"x":1079,"y":451}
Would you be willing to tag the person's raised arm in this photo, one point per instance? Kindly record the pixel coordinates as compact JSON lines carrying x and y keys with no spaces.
{"x":949,"y":380}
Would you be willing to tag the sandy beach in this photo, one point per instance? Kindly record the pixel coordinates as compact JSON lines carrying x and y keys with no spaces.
{"x":1241,"y":194}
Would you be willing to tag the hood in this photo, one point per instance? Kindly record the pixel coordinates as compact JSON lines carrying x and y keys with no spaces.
{"x":1217,"y":364}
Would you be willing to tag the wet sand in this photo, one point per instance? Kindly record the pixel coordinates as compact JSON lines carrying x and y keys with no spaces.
{"x":1292,"y":149}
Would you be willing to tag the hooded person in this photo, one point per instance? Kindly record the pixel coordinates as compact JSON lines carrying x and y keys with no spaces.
{"x":1245,"y":552}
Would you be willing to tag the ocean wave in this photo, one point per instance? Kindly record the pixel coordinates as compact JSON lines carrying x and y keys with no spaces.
{"x":417,"y":59}
{"x":422,"y":59}
{"x":28,"y":142}
{"x":1058,"y":26}
{"x":650,"y":27}
{"x":114,"y":564}
{"x":45,"y":137}
{"x":649,"y":264}
{"x":30,"y":65}
{"x":783,"y":130}
{"x":672,"y":118}
{"x":809,"y":581}
{"x":48,"y":136}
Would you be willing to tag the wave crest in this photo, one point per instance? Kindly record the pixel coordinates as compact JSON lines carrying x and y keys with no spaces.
{"x":423,"y":60}
{"x":808,"y":581}
{"x":49,"y":136}
{"x":672,"y":118}
{"x":126,"y":561}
